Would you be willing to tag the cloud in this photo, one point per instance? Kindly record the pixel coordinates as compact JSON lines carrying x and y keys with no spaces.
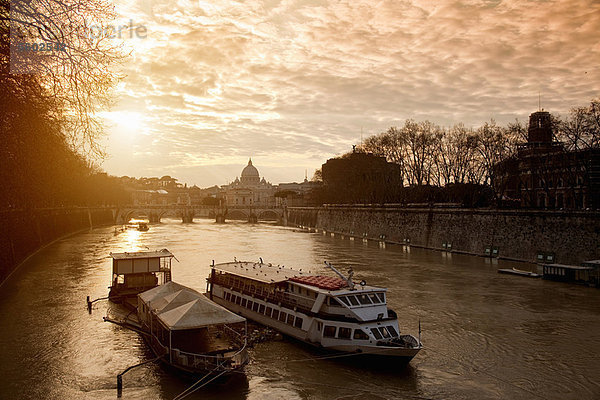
{"x":300,"y":79}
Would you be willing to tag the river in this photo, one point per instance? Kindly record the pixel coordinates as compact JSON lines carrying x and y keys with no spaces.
{"x":486,"y":335}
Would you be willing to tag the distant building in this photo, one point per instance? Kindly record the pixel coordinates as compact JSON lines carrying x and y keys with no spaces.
{"x":360,"y":177}
{"x":545,"y":175}
{"x":249,"y":189}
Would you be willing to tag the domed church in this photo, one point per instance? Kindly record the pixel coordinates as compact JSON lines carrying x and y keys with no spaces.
{"x":249,"y":189}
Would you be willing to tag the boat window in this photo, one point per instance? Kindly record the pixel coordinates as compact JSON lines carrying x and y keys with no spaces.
{"x":244,"y":302}
{"x":334,"y":302}
{"x":392,"y":331}
{"x":344,"y":333}
{"x":375,"y":332}
{"x":275,"y":314}
{"x":381,"y":297}
{"x":269,"y":311}
{"x":255,"y":307}
{"x":290,"y":319}
{"x":384,"y":332}
{"x":298,"y":323}
{"x":353,"y":300}
{"x":233,"y":297}
{"x":250,"y":304}
{"x":261,"y":309}
{"x":329,"y":331}
{"x":238,"y":299}
{"x":282,"y":316}
{"x":345,"y":300}
{"x":359,"y":334}
{"x":374,"y":298}
{"x":364,"y":299}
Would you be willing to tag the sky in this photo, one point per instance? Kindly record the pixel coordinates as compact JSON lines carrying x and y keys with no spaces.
{"x":292,"y":83}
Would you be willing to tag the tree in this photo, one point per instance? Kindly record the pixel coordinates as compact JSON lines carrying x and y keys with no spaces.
{"x":76,"y":73}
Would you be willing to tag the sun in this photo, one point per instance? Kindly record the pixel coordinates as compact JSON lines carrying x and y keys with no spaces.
{"x":125,"y":120}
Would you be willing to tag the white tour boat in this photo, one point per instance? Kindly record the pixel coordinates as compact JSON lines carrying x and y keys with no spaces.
{"x":329,"y":312}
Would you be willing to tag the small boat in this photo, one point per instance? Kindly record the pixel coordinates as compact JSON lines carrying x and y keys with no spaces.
{"x":139,"y":224}
{"x":520,"y":272}
{"x":328,"y":312}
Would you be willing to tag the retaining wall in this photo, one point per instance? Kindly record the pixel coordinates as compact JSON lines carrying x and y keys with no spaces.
{"x":570,"y":236}
{"x":22,"y":232}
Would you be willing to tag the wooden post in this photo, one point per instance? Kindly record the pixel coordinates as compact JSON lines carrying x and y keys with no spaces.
{"x":119,"y":385}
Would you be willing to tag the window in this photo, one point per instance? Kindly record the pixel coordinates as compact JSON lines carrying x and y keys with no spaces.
{"x":329,"y":331}
{"x":238,"y":299}
{"x":244,"y":302}
{"x":374,"y":298}
{"x":282,"y":316}
{"x":392,"y":331}
{"x":290,"y":319}
{"x":298,"y":323}
{"x":353,"y":300}
{"x":227,"y":296}
{"x":345,"y":300}
{"x":255,"y":307}
{"x":359,"y":334}
{"x":233,"y":297}
{"x":333,"y":302}
{"x":375,"y":332}
{"x":269,"y":311}
{"x":261,"y":309}
{"x":384,"y":332}
{"x":381,"y":297}
{"x":275,"y":314}
{"x":250,"y":304}
{"x":344,"y":333}
{"x":364,"y":299}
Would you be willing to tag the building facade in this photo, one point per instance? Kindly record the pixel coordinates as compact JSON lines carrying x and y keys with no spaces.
{"x":545,"y":175}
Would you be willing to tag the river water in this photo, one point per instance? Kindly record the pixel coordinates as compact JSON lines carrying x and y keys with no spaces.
{"x":486,"y":335}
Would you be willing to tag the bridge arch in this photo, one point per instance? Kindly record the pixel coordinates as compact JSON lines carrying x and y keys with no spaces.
{"x":268,"y":215}
{"x":237,"y":214}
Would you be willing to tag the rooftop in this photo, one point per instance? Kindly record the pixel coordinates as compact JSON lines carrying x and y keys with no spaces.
{"x":141,"y":254}
{"x":267,"y":273}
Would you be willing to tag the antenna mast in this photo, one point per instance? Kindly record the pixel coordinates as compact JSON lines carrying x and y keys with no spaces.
{"x":347,"y":279}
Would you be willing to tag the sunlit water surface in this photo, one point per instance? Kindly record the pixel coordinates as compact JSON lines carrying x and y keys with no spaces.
{"x":486,"y":335}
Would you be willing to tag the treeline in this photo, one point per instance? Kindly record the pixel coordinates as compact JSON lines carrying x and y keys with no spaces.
{"x":429,"y":154}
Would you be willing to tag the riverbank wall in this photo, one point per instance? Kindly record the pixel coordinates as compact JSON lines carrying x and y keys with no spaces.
{"x":566,"y":237}
{"x":23,"y":232}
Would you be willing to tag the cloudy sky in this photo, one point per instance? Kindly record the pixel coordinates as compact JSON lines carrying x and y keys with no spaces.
{"x":292,"y":83}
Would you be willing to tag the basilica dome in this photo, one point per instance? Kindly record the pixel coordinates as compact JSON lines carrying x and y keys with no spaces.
{"x":250,"y":173}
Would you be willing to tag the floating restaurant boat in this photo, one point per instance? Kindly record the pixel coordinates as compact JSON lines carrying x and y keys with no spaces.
{"x":519,"y":272}
{"x":329,"y":312}
{"x":190,"y":332}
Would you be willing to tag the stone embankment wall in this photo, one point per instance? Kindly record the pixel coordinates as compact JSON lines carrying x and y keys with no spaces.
{"x":570,"y":236}
{"x":22,"y":232}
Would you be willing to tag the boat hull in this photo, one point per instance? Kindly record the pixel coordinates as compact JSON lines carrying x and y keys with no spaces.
{"x":400,"y":355}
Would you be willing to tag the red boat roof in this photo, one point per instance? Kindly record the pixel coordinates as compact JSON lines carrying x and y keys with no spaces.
{"x":322,"y":282}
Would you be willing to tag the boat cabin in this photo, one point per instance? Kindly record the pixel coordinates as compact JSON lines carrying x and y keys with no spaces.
{"x":135,"y":272}
{"x":194,"y":333}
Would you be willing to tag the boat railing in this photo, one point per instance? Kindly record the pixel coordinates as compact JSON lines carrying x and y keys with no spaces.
{"x":227,"y":359}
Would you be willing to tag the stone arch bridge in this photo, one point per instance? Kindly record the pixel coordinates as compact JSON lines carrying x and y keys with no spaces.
{"x":187,"y":213}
